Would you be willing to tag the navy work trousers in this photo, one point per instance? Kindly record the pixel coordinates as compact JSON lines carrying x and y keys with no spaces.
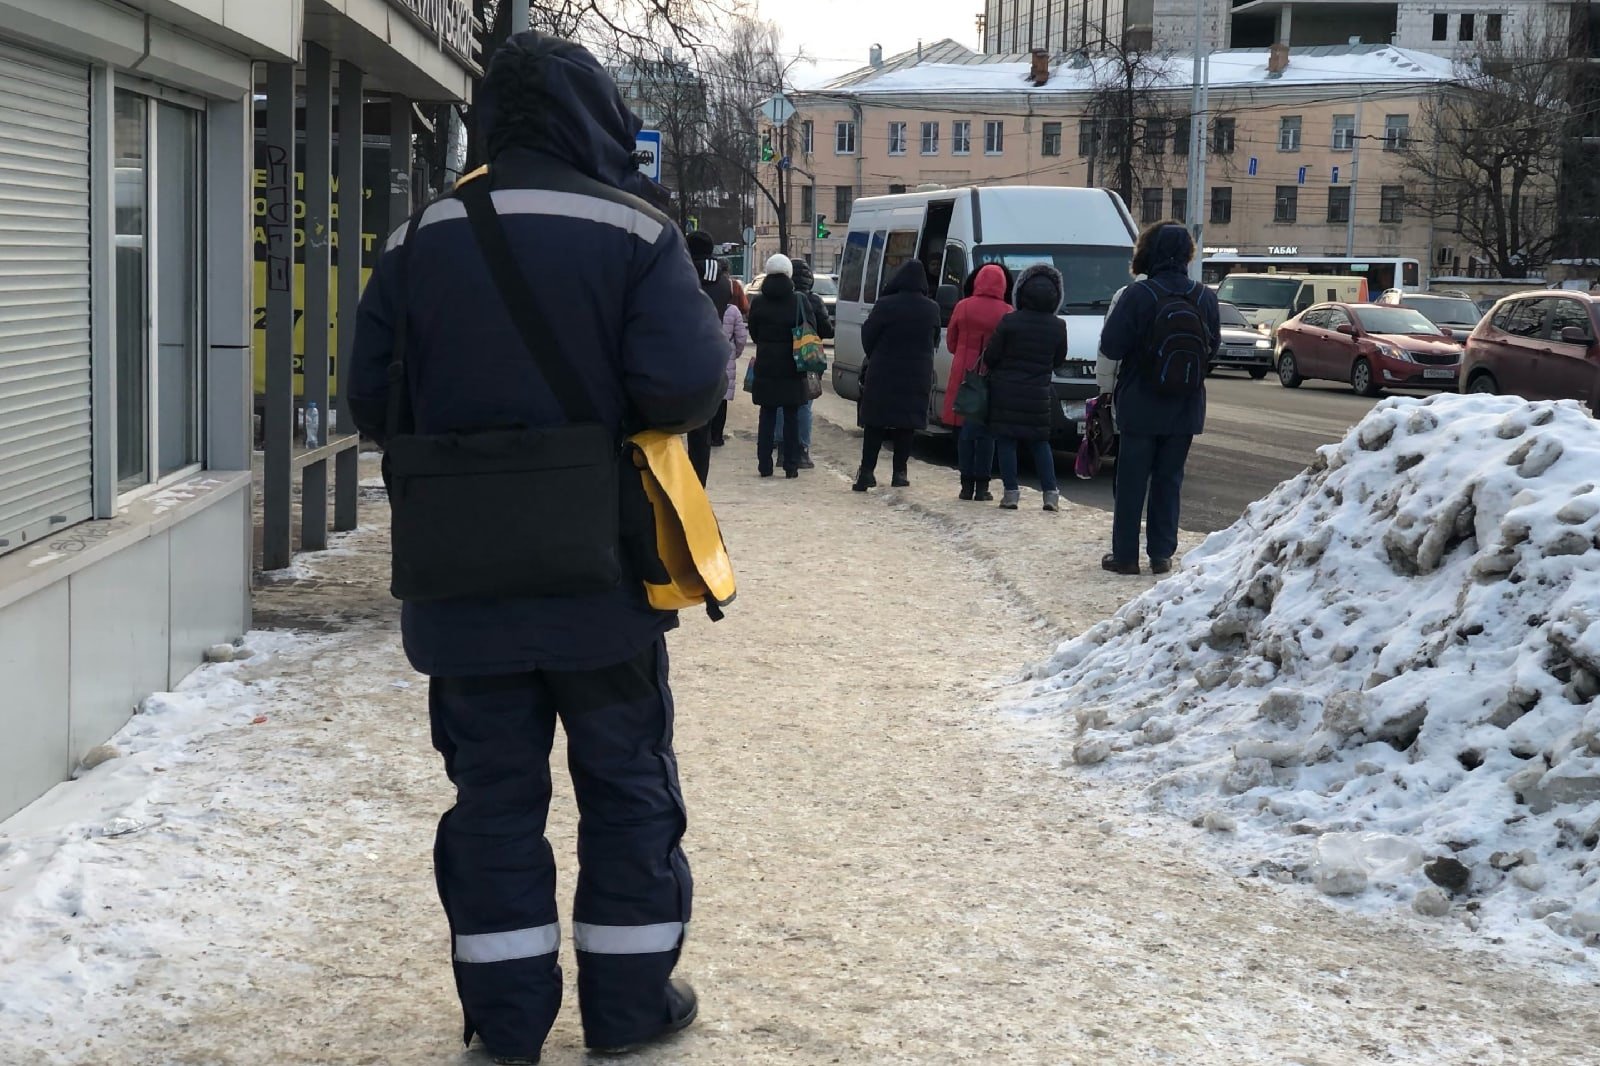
{"x":1148,"y":465}
{"x":496,"y":872}
{"x":767,"y":438}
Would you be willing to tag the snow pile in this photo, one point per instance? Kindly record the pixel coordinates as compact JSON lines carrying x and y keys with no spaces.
{"x":1383,"y":676}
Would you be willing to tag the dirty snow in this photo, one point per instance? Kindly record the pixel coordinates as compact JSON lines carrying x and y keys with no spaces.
{"x":1381,"y":680}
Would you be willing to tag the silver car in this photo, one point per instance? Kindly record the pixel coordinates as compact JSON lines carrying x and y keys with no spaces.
{"x":1244,"y":347}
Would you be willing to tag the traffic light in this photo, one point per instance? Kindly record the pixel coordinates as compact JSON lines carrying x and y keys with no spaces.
{"x":822,"y":227}
{"x":766,"y":147}
{"x":694,"y":223}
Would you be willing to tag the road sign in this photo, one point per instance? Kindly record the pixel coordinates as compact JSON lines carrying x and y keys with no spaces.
{"x":785,"y":163}
{"x":777,"y":110}
{"x":647,"y":153}
{"x":1252,"y":166}
{"x":1302,"y":179}
{"x":749,"y":235}
{"x":1335,"y":175}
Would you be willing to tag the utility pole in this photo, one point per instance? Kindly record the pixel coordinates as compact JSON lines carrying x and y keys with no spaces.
{"x":1355,"y":177}
{"x":1199,"y":102}
{"x":519,"y":16}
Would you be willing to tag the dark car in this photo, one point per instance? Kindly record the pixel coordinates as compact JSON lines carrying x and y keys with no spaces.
{"x":1371,"y":346}
{"x":827,"y":287}
{"x":1538,"y":345}
{"x":1455,"y":313}
{"x":1244,"y":347}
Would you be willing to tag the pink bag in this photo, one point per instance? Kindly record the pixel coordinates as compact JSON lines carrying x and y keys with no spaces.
{"x":1094,"y":447}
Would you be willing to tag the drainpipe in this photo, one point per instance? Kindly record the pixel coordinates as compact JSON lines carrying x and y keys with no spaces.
{"x":861,"y":146}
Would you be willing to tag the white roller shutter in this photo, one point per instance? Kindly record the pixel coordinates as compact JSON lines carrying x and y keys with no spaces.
{"x":45,"y":464}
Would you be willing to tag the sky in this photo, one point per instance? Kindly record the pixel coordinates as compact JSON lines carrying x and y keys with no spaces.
{"x":839,"y":33}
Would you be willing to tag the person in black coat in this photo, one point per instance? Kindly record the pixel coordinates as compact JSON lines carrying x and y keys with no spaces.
{"x":716,"y":283}
{"x":1030,"y":343}
{"x":779,"y":384}
{"x":898,"y":338}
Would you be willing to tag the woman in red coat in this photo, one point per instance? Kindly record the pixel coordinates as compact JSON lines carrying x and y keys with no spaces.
{"x":971,"y":325}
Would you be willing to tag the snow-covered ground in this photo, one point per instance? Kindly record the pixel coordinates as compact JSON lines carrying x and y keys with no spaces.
{"x":1382,"y":679}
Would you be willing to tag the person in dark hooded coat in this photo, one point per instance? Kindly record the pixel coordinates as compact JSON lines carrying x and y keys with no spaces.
{"x":1027,"y":347}
{"x":899,"y":338}
{"x":779,"y":384}
{"x":612,"y":279}
{"x":718,"y":285}
{"x":1155,"y":431}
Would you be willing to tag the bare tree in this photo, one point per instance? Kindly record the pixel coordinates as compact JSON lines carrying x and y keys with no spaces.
{"x":1136,"y":126}
{"x":1491,"y":158}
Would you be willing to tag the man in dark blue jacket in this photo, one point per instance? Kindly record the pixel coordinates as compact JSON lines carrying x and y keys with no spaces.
{"x":1156,"y":431}
{"x":615,"y":282}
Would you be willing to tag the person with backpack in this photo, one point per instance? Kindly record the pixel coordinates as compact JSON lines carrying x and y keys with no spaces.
{"x":805,"y":283}
{"x":973,"y":323}
{"x":717,"y":284}
{"x":1164,"y":332}
{"x":1028,"y":346}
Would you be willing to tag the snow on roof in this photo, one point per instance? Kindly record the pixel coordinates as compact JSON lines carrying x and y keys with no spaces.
{"x":1343,"y":65}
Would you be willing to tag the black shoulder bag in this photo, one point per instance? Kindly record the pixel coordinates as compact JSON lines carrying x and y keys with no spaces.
{"x":506,"y":512}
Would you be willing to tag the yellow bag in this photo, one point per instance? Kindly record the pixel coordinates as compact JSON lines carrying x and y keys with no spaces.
{"x":688,"y":539}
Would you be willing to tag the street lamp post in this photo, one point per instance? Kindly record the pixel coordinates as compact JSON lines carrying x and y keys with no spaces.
{"x":1198,"y":122}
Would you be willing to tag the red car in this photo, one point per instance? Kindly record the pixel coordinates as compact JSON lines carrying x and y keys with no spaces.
{"x":1371,"y":346}
{"x":1537,"y":345}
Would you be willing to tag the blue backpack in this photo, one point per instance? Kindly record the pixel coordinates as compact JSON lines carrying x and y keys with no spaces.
{"x":1178,"y":347}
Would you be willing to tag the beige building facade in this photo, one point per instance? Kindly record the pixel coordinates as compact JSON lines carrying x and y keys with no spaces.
{"x":1291,"y":157}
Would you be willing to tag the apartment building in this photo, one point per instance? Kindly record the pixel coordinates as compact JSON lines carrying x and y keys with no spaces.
{"x":1284,"y":145}
{"x":128,"y":183}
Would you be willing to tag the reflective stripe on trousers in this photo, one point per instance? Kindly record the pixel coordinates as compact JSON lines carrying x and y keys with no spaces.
{"x":627,"y":939}
{"x":514,"y":944}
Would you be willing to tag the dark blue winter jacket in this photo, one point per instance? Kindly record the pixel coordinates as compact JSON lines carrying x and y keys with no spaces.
{"x":614,"y":280}
{"x":1126,"y":338}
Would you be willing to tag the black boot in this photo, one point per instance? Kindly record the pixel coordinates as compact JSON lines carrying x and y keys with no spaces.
{"x":900,"y":481}
{"x":682,"y":1008}
{"x":968,"y":488}
{"x":1110,"y":564}
{"x":865,"y":479}
{"x":981,"y":491}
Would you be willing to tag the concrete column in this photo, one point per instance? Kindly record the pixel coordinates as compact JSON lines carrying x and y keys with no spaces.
{"x":1285,"y":23}
{"x":351,"y":205}
{"x":230,"y":296}
{"x":276,"y":487}
{"x":318,"y":276}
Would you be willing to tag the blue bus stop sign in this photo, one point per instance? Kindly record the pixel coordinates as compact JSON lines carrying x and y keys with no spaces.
{"x":647,"y":153}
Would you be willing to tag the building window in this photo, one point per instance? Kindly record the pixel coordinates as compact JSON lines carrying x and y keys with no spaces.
{"x":1441,"y":27}
{"x":1396,"y":133}
{"x":1492,"y":27}
{"x":1222,"y":204}
{"x":1344,"y":133}
{"x":1286,"y":205}
{"x":1050,"y":143}
{"x":844,"y":138}
{"x":1182,"y":130}
{"x":1223,"y":136}
{"x":808,"y":202}
{"x":1289,"y":133}
{"x":1468,"y":27}
{"x":1180,"y":205}
{"x":1088,"y":137}
{"x":897,"y":138}
{"x":1150,"y":206}
{"x":1391,"y":206}
{"x":994,"y":137}
{"x":1339,"y":203}
{"x":158,"y":326}
{"x":1155,"y":137}
{"x":961,"y":138}
{"x":897,"y":190}
{"x":808,"y":136}
{"x":843,"y":197}
{"x":930,"y":138}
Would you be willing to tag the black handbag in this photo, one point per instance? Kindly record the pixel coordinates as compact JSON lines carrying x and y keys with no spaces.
{"x":517,"y":511}
{"x":972,"y":395}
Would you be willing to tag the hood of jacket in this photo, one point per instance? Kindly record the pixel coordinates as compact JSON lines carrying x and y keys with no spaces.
{"x":1040,"y":288}
{"x":1170,"y":251}
{"x":549,"y":95}
{"x":911,"y":277}
{"x":777,"y":286}
{"x":804,"y":279}
{"x":991,"y":282}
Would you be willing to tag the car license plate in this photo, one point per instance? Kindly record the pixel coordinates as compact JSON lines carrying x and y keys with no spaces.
{"x":1440,"y":374}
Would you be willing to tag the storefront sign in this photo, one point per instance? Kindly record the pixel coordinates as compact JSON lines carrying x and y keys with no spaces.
{"x":1284,"y":249}
{"x":450,"y":22}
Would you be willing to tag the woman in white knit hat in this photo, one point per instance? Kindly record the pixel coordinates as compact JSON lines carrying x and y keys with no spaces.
{"x":779,"y":384}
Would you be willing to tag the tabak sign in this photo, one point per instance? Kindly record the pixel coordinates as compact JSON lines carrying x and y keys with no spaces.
{"x":450,"y":21}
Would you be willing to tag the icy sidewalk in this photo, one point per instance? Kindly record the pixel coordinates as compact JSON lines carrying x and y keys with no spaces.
{"x":883,"y":875}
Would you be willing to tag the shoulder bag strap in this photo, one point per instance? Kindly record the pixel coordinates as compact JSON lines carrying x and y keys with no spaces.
{"x":400,"y":418}
{"x":520,"y":302}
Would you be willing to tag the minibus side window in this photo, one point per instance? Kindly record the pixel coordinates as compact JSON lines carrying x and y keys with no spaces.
{"x":854,"y":267}
{"x":901,"y":250}
{"x":869,"y":287}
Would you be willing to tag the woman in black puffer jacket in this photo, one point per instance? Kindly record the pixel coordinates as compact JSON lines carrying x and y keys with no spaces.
{"x":898,"y":338}
{"x":779,"y":384}
{"x":1030,"y":343}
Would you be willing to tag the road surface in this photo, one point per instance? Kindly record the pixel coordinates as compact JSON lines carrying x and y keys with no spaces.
{"x":1258,"y":433}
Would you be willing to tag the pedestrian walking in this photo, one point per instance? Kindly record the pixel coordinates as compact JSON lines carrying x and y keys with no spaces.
{"x":971,"y":325}
{"x":804,"y":282}
{"x":898,"y":338}
{"x":779,"y":385}
{"x":493,"y":322}
{"x":738,"y":334}
{"x":1027,"y":347}
{"x":1164,"y":332}
{"x":718,"y":285}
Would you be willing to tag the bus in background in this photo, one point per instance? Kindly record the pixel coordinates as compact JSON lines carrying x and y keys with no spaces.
{"x":1382,"y":273}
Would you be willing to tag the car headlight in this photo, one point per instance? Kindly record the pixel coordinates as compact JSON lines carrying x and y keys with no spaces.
{"x":1263,"y":343}
{"x":1391,"y":352}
